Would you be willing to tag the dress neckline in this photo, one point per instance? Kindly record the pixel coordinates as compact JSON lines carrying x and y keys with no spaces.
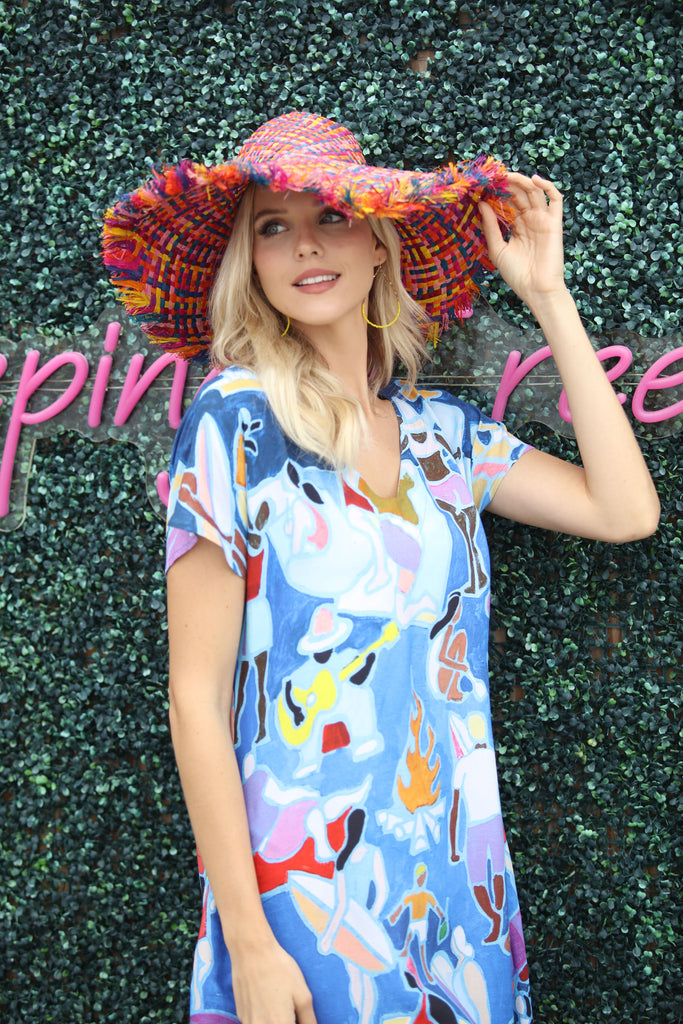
{"x":381,"y":502}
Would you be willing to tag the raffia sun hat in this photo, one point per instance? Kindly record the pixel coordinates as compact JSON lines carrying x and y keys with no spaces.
{"x":164,"y":242}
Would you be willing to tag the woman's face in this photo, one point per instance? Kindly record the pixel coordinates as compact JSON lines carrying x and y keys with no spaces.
{"x":312,"y":264}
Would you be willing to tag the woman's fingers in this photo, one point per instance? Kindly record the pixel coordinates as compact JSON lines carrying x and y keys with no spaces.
{"x":551,"y":190}
{"x":533,"y":192}
{"x":492,"y":233}
{"x":304,"y":1010}
{"x":521,"y":189}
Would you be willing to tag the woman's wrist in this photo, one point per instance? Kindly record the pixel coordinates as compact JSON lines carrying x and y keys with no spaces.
{"x":552,"y":308}
{"x":247,"y":935}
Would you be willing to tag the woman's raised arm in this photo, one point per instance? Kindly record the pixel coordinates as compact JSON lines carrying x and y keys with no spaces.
{"x":205,"y":610}
{"x":611,"y":497}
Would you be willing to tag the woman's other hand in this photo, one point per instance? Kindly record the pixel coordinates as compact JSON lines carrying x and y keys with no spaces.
{"x":269,"y":987}
{"x":531,"y":261}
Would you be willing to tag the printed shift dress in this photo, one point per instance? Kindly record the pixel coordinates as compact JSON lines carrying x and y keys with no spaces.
{"x":362,"y":724}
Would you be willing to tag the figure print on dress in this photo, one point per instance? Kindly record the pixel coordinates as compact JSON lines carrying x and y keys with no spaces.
{"x":363,"y":677}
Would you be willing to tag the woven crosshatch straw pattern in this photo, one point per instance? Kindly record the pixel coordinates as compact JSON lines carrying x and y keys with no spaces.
{"x":164,"y":242}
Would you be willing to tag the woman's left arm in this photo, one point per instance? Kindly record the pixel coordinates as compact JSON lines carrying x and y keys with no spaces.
{"x":611,"y":496}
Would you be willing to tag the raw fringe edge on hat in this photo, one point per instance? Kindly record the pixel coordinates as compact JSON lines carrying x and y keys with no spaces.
{"x":164,"y":242}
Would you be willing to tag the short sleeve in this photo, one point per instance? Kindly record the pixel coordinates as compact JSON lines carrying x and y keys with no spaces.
{"x":494,"y":451}
{"x":486,"y":446}
{"x":208,"y":482}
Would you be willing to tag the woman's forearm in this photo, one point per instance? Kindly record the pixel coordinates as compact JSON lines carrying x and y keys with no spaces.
{"x":205,"y":612}
{"x":214,"y":796}
{"x":617,"y":479}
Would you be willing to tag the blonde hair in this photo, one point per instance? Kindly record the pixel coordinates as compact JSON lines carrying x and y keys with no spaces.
{"x":306,"y":398}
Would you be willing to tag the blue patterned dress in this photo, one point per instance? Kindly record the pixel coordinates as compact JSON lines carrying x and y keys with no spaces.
{"x":361,"y":709}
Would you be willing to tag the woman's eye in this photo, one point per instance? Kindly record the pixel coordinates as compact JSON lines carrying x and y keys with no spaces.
{"x":331,"y":217}
{"x":271,"y":227}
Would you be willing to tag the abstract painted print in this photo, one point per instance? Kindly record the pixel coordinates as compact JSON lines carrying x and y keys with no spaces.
{"x":361,"y":710}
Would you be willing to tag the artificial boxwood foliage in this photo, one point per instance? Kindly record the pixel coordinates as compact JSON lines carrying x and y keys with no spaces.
{"x":99,"y":903}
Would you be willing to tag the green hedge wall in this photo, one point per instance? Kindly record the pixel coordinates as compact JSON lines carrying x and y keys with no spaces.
{"x":99,"y":903}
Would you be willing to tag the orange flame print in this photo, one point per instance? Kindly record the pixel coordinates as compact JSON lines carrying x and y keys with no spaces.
{"x":421,"y":791}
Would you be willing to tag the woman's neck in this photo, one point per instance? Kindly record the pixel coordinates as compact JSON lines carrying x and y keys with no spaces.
{"x":344,"y":348}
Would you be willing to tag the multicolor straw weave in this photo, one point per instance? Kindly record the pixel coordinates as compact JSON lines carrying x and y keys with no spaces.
{"x":164,"y":242}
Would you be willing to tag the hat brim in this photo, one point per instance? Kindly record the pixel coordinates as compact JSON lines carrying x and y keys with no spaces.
{"x":164,"y":242}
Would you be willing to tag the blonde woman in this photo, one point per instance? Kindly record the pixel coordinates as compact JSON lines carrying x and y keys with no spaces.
{"x":328,"y":578}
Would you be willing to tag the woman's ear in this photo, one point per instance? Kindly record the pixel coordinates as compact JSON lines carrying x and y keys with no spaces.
{"x":380,"y":251}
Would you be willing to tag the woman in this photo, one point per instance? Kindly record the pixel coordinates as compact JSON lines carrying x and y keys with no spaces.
{"x":328,"y":580}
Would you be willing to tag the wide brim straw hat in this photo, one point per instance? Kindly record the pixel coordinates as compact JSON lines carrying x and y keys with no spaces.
{"x":164,"y":242}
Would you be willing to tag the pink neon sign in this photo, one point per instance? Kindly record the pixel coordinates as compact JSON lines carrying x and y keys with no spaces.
{"x":111,"y":386}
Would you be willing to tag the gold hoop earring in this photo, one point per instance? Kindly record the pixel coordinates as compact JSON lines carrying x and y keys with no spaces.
{"x":286,"y":329}
{"x":380,"y":326}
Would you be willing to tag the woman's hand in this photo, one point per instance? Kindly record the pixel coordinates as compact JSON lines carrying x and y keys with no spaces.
{"x":531,"y":261}
{"x":269,"y":987}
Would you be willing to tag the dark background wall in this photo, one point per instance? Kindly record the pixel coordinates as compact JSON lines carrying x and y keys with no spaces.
{"x":99,"y":903}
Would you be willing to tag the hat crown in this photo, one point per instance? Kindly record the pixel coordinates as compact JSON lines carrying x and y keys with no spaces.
{"x":299,"y":136}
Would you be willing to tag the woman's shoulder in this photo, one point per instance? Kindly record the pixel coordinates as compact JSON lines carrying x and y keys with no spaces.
{"x":225,"y":404}
{"x":432,"y":403}
{"x":230,"y":380}
{"x":225,"y":390}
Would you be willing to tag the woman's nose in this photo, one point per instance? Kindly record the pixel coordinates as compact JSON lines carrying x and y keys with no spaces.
{"x":307,"y":242}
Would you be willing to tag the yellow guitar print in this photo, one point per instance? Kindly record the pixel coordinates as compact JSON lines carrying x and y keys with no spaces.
{"x":304,"y":706}
{"x":298,"y":707}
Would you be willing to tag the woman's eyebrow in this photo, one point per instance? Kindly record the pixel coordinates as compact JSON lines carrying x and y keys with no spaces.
{"x":281,"y":211}
{"x":269,"y":213}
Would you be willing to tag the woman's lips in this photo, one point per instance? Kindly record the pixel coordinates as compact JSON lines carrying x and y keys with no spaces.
{"x":316,"y":281}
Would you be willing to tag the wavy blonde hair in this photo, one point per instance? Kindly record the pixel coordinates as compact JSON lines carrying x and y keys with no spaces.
{"x":307,"y":399}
